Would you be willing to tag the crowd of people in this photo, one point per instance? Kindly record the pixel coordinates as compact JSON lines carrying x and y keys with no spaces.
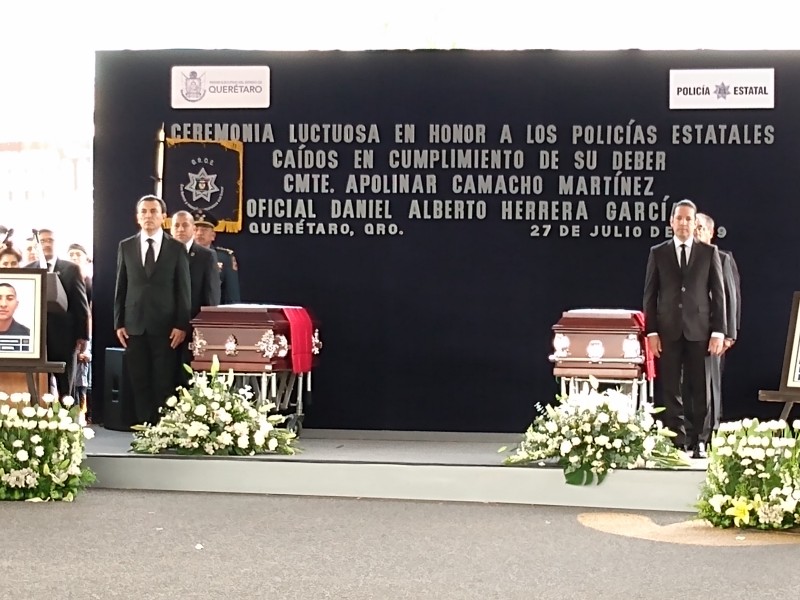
{"x":68,"y":332}
{"x":162,"y":281}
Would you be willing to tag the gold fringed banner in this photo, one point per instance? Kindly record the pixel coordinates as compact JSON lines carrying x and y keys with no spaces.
{"x":205,"y":176}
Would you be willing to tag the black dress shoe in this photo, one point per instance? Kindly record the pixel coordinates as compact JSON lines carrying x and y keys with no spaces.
{"x":700,"y":450}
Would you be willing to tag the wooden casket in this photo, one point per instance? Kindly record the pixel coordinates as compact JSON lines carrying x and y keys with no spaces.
{"x":603,"y":343}
{"x":255,"y":338}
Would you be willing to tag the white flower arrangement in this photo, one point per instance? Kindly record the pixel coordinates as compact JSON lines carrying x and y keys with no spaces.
{"x":591,"y":433}
{"x":211,"y":418}
{"x":753,"y":477}
{"x":41,"y":449}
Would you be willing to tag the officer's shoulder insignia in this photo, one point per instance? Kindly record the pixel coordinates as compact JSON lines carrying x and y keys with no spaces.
{"x":228,"y":251}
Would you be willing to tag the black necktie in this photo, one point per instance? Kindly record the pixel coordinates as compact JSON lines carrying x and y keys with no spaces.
{"x":149,"y":258}
{"x":683,"y":257}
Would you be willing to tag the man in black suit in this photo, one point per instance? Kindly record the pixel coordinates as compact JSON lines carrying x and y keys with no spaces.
{"x":203,"y":275}
{"x":684,"y":306}
{"x":67,"y":332}
{"x":152,"y":301}
{"x":733,"y":312}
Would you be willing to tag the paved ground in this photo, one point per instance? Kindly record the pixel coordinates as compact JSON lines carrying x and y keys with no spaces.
{"x":151,"y":545}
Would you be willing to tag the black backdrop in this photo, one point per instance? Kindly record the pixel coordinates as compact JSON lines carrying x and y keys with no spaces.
{"x":447,"y":325}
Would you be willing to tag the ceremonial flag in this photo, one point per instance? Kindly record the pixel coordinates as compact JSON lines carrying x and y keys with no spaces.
{"x":204,"y":176}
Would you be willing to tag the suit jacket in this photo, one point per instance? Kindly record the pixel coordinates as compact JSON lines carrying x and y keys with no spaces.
{"x":737,"y":286}
{"x":731,"y":295}
{"x":204,"y":276}
{"x":65,"y":329}
{"x":156,"y":304}
{"x":229,"y":275}
{"x":691,"y":304}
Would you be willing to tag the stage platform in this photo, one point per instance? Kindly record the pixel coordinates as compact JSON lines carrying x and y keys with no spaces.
{"x":432,"y":466}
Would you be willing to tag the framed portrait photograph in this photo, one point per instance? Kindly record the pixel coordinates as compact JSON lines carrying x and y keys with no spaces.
{"x":22,"y":315}
{"x":790,"y":378}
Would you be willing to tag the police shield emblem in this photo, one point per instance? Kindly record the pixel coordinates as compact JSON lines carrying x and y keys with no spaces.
{"x":205,"y":176}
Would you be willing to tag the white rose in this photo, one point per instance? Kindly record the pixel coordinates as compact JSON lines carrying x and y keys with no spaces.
{"x":68,"y":401}
{"x":200,"y":410}
{"x":186,"y":407}
{"x":551,"y":427}
{"x":566,"y":446}
{"x":38,"y":451}
{"x":48,"y":398}
{"x":88,"y":433}
{"x":243,"y":441}
{"x":602,"y":417}
{"x":41,"y":411}
{"x":36,"y":438}
{"x":28,"y":412}
{"x":259,"y":438}
{"x":22,"y":456}
{"x":617,"y":443}
{"x":272,"y":444}
{"x":4,"y":409}
{"x":602,"y":440}
{"x":225,"y":438}
{"x":172,"y":401}
{"x":17,"y":444}
{"x":648,"y":444}
{"x":215,"y":405}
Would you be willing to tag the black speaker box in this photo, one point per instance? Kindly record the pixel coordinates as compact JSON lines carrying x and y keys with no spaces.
{"x":117,"y":397}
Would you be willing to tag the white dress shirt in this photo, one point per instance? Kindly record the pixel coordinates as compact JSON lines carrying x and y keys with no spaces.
{"x":678,"y":243}
{"x":158,"y":238}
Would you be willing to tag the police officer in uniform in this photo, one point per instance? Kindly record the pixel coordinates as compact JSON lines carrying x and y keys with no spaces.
{"x":205,"y":235}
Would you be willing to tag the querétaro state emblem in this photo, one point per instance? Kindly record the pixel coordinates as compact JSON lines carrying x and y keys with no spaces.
{"x":193,"y":88}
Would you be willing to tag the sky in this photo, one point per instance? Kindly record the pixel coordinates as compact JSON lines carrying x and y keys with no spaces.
{"x":48,"y":47}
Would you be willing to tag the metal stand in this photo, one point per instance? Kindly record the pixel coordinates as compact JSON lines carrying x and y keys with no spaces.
{"x":278,"y":387}
{"x":638,"y":389}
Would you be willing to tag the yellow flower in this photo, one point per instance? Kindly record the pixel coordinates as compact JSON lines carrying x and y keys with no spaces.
{"x":740,"y":511}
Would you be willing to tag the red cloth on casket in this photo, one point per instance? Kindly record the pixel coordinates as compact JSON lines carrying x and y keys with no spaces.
{"x":300,"y":332}
{"x":649,"y":359}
